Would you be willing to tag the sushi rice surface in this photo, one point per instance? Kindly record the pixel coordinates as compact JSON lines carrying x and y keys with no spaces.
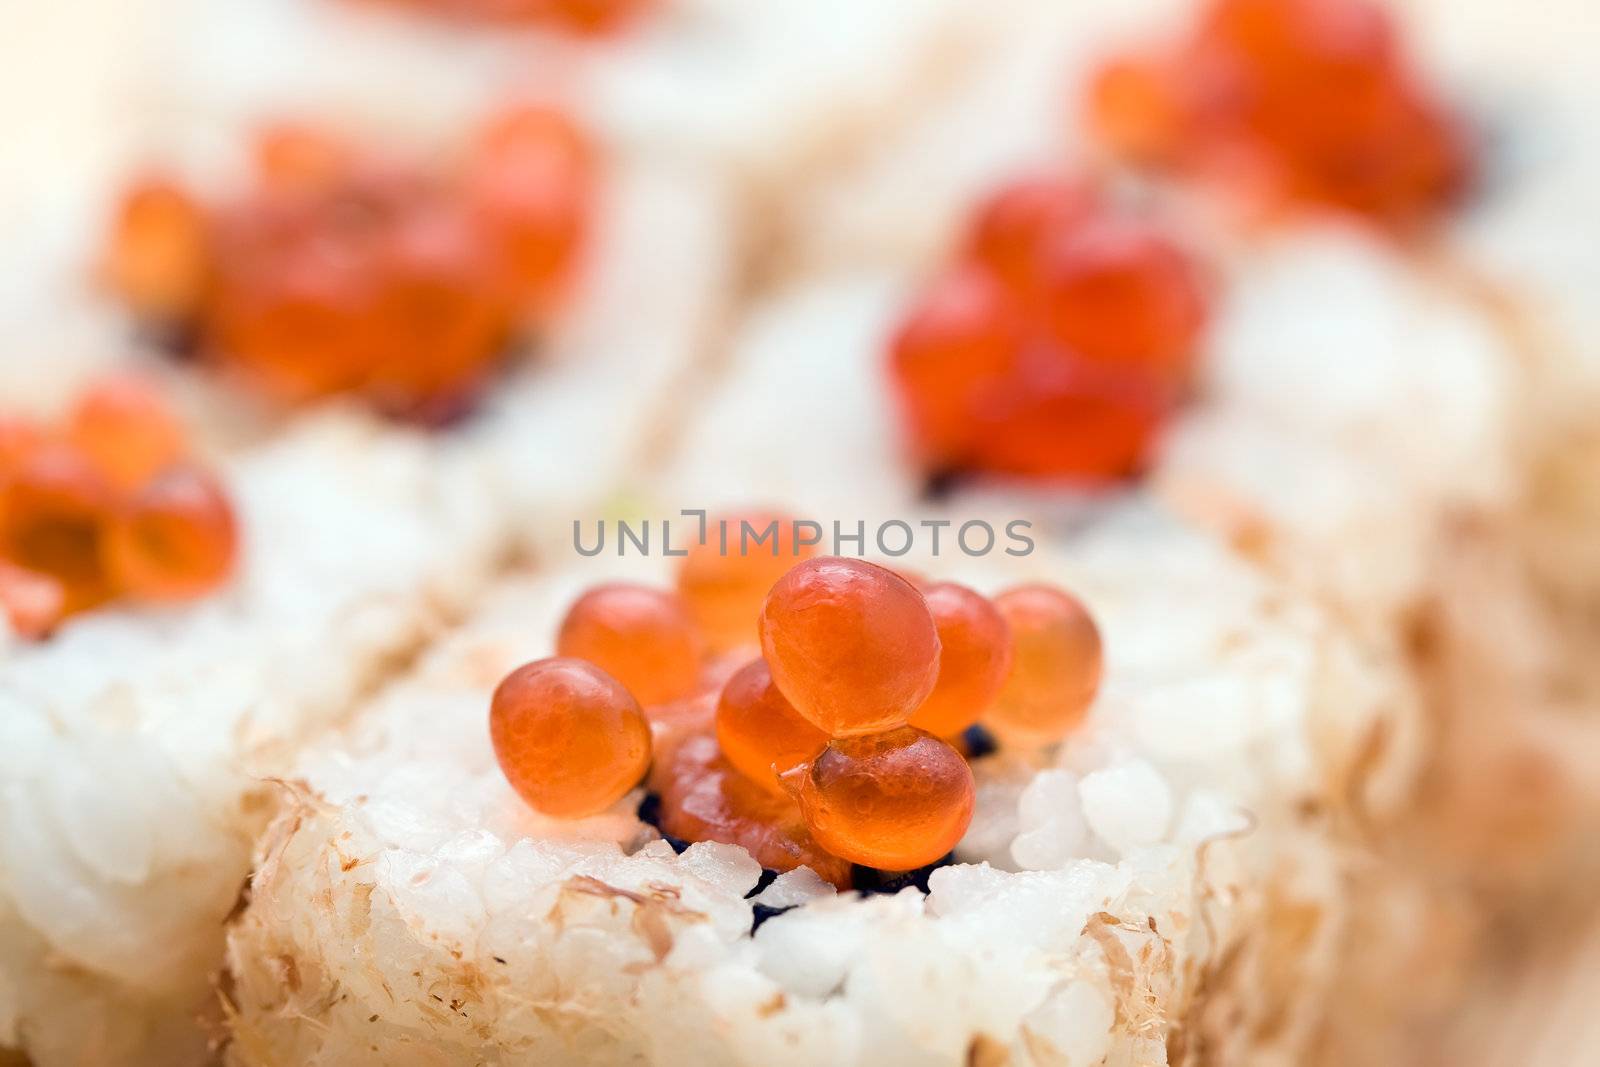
{"x":1168,"y":878}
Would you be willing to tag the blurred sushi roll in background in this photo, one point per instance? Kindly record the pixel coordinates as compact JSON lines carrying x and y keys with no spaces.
{"x":138,"y":742}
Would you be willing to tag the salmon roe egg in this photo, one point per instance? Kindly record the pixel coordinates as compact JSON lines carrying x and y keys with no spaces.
{"x":1055,"y":669}
{"x":851,"y":644}
{"x":569,"y":738}
{"x":895,"y":801}
{"x":1013,"y":223}
{"x":642,"y":637}
{"x":1118,"y":291}
{"x":176,"y":539}
{"x":760,"y":732}
{"x":703,"y":798}
{"x":158,"y":255}
{"x":54,"y":512}
{"x":127,"y":428}
{"x":530,"y":184}
{"x":960,"y":340}
{"x":724,"y":579}
{"x":974,"y":658}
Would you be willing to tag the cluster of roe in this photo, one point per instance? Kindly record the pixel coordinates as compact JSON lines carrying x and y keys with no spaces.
{"x":835,"y":746}
{"x":1056,"y":343}
{"x":106,"y":503}
{"x":1289,"y":105}
{"x":342,"y":270}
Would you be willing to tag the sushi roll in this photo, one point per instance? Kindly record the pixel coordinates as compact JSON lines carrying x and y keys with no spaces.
{"x":137,"y":740}
{"x":1166,"y":880}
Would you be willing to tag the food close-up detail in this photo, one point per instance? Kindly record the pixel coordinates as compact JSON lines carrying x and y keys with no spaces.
{"x":784,"y":533}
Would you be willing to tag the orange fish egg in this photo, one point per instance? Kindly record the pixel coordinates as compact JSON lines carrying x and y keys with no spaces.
{"x":642,"y":637}
{"x":176,"y":539}
{"x":158,"y":256}
{"x":760,"y":732}
{"x":1118,"y":291}
{"x":974,"y":659}
{"x":960,"y":340}
{"x":703,"y":798}
{"x":1055,"y":669}
{"x":569,"y":738}
{"x":529,"y":183}
{"x":895,"y":801}
{"x":54,"y":514}
{"x":1010,"y":227}
{"x":127,"y":428}
{"x":724,"y":580}
{"x":851,"y":644}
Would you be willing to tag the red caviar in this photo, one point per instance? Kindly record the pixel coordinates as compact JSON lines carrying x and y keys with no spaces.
{"x":176,"y":539}
{"x":125,"y":426}
{"x":106,"y":505}
{"x":724,"y":578}
{"x":1293,"y":104}
{"x":1058,"y":343}
{"x":811,"y":764}
{"x":640,"y":636}
{"x":895,"y":800}
{"x":760,"y":732}
{"x":850,"y":644}
{"x":1055,"y":670}
{"x":703,"y":798}
{"x":974,"y":658}
{"x":570,"y":739}
{"x":157,"y":257}
{"x":340,"y":270}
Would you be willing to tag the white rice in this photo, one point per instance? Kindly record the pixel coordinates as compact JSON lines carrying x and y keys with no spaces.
{"x":1166,"y":880}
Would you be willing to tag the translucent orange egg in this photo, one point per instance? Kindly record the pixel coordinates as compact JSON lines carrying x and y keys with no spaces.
{"x":974,"y":659}
{"x":442,"y":325}
{"x":126,"y":427}
{"x":895,"y":801}
{"x":296,"y":304}
{"x":962,"y":337}
{"x":703,"y":798}
{"x":1133,"y":111}
{"x":851,"y":644}
{"x":1055,"y":669}
{"x":1119,"y":291}
{"x":176,"y":539}
{"x":530,"y":185}
{"x":54,"y":513}
{"x":33,"y":604}
{"x":1014,"y":222}
{"x":1061,"y":416}
{"x":298,"y":159}
{"x":570,"y":739}
{"x":642,"y":637}
{"x":158,"y":256}
{"x":760,"y":732}
{"x":725,"y":580}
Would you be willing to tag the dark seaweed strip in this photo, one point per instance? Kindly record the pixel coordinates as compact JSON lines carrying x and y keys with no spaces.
{"x":650,"y":812}
{"x":762,"y":912}
{"x":978,"y":742}
{"x":872,"y":880}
